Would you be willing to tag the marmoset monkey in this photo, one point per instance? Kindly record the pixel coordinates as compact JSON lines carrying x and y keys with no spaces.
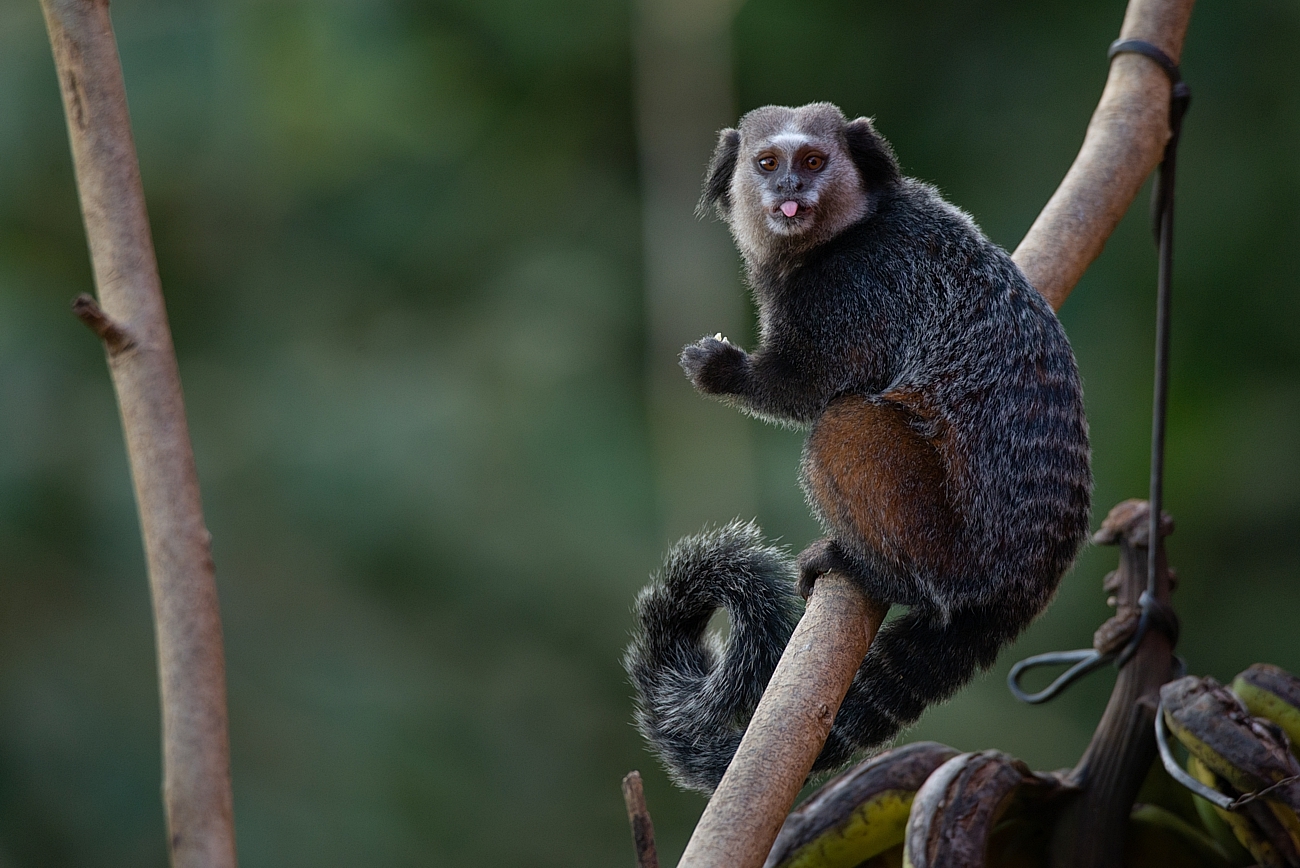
{"x":947,"y":458}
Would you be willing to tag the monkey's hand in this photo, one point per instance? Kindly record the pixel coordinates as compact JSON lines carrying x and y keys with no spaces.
{"x":716,"y":366}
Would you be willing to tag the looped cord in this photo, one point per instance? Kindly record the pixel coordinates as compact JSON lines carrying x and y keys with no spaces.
{"x":1155,"y":615}
{"x":1083,"y":661}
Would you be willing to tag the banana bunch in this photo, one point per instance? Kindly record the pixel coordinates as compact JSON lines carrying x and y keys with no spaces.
{"x":1238,"y":744}
{"x":925,"y":805}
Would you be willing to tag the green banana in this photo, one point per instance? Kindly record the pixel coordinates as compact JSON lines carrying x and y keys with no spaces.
{"x":1236,"y":753}
{"x":956,"y":812}
{"x":1214,"y":726}
{"x":1160,"y":837}
{"x":1160,"y":789}
{"x":1241,"y":828}
{"x":1216,"y":821}
{"x":1272,"y":692}
{"x":891,"y":858}
{"x":859,"y":815}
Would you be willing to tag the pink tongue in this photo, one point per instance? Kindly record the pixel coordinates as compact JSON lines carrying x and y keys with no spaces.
{"x":789,"y":209}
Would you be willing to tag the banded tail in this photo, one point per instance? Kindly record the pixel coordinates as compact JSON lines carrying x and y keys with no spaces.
{"x":695,"y":695}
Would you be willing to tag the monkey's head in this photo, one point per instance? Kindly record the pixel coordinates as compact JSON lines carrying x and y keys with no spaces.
{"x":788,"y":179}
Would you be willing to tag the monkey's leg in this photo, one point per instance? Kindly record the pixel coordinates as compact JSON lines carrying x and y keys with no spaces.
{"x":881,"y":491}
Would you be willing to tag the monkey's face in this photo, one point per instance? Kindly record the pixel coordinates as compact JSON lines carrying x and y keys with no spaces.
{"x":787,"y":169}
{"x":794,"y":178}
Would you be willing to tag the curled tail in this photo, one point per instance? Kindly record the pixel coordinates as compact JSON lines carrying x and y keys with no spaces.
{"x":695,"y":697}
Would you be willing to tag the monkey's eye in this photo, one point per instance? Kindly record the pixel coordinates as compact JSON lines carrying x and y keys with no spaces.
{"x":767,"y":164}
{"x":814,"y":162}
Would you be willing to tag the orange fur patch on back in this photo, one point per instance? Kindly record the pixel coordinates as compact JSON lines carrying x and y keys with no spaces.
{"x":873,"y":476}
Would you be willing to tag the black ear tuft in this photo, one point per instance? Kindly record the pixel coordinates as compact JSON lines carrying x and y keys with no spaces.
{"x":717,"y":184}
{"x":871,"y":154}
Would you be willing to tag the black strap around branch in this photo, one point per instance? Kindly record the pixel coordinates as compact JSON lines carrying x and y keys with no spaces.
{"x":1155,"y":615}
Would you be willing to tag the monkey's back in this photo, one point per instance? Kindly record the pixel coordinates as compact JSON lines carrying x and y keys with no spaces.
{"x":953,"y":462}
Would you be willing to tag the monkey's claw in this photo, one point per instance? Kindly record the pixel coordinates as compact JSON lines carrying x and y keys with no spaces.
{"x":818,"y":559}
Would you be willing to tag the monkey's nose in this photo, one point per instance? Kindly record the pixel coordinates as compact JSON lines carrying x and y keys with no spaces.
{"x":789,"y":184}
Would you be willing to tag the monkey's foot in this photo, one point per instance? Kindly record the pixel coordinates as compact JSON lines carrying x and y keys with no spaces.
{"x":821,"y":557}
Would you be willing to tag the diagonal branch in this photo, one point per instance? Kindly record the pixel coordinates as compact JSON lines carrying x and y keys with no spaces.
{"x":133,"y":325}
{"x":1124,"y":142}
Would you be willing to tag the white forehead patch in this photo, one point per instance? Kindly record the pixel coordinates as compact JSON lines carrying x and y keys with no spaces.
{"x":789,"y":139}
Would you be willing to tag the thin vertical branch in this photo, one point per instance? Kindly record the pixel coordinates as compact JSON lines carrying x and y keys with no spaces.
{"x":131,"y":319}
{"x":638,"y":816}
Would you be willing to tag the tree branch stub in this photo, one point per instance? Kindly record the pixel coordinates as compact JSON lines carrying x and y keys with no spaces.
{"x":638,"y":816}
{"x":114,"y":335}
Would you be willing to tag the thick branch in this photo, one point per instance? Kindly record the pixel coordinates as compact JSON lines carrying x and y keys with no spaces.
{"x":196,"y":764}
{"x":788,"y":729}
{"x":1124,"y":142}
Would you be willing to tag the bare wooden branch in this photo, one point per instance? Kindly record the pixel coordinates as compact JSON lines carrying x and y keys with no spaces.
{"x":638,"y":815}
{"x":788,"y":729}
{"x":1124,"y":142}
{"x":191,"y":668}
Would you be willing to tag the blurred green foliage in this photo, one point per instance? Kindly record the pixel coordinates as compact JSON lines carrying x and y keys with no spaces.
{"x":401,"y":248}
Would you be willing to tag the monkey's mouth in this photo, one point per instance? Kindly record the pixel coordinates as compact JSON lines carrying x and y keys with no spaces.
{"x":790,"y":216}
{"x":791,"y":209}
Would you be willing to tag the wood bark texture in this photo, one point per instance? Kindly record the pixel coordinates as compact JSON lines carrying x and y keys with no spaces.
{"x":1124,"y":142}
{"x":131,"y":319}
{"x":788,"y":729}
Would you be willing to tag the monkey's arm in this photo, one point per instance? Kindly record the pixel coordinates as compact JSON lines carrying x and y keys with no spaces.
{"x":765,"y":383}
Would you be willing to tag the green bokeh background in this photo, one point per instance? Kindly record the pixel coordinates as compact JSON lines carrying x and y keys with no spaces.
{"x":401,"y":246}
